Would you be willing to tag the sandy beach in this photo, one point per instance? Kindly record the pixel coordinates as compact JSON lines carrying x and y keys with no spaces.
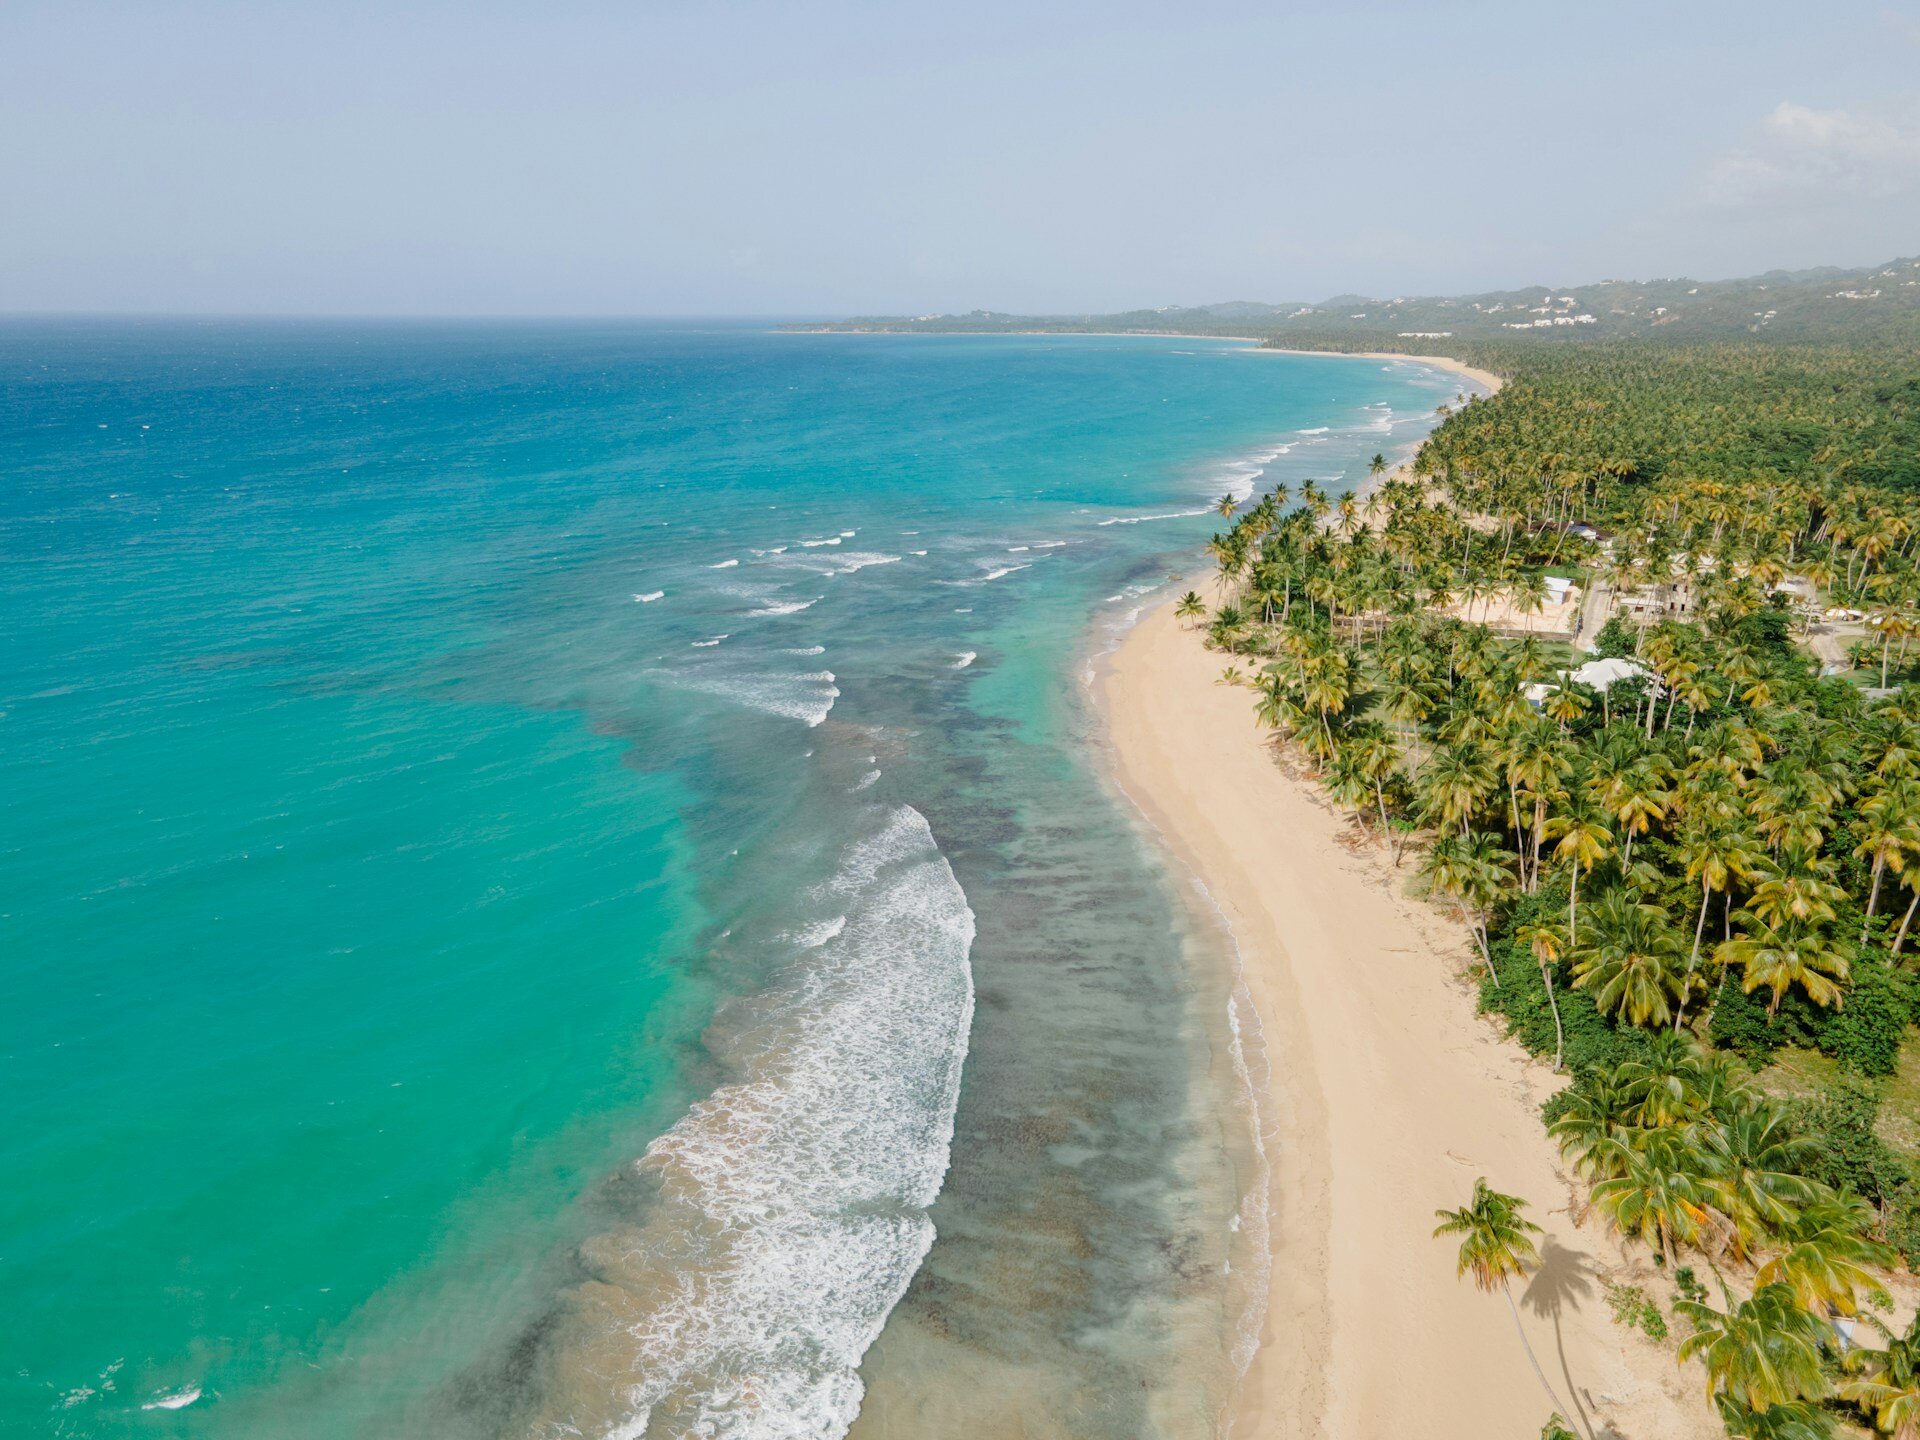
{"x":1387,"y":1095}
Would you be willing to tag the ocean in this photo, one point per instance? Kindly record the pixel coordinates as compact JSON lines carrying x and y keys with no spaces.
{"x":559,"y":879}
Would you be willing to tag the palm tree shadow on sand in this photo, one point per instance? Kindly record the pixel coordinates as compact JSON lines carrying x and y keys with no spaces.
{"x":1560,"y":1283}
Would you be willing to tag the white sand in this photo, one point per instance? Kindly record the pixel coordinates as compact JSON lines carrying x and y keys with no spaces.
{"x":1388,"y":1096}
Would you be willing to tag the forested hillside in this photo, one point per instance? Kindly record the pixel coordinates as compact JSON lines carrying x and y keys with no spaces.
{"x":1877,"y":304}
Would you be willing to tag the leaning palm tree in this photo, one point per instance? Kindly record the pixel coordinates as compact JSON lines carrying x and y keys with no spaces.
{"x":1830,"y":1259}
{"x":1658,"y":1196}
{"x":1546,"y":942}
{"x":1757,"y":1178}
{"x":1496,"y":1246}
{"x":1886,"y":1384}
{"x":1766,"y":1352}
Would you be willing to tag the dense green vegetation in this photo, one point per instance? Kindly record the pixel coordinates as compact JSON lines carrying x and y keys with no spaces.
{"x":1667,"y":878}
{"x":1877,"y":305}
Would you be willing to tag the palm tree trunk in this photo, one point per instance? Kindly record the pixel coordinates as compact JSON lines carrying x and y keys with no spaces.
{"x":1559,"y":1035}
{"x":1680,"y":1011}
{"x":1905,"y":920}
{"x":1873,"y":895}
{"x":1480,"y":939}
{"x":1573,"y":907}
{"x":1527,"y":1345}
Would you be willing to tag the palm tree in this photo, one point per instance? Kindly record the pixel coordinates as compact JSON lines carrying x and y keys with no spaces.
{"x":1546,"y":944}
{"x":1377,"y":761}
{"x":1657,"y":1195}
{"x":1781,"y":958}
{"x":1191,"y":606}
{"x":1886,"y":1384}
{"x":1226,"y":505}
{"x":1765,"y":1353}
{"x":1889,"y":834}
{"x":1715,"y":858}
{"x":1584,"y":842}
{"x":1496,"y":1246}
{"x":1830,"y":1260}
{"x":1631,"y":963}
{"x":1468,"y":869}
{"x":1757,"y":1164}
{"x":1454,"y":782}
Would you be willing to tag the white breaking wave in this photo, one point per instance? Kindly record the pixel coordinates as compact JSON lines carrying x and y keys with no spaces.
{"x":806,"y":650}
{"x":811,"y":937}
{"x":830,"y":540}
{"x":1165,"y":515}
{"x":704,"y":644}
{"x":724,"y":565}
{"x":861,"y":559}
{"x":842,"y":564}
{"x":178,"y":1400}
{"x":806,"y":697}
{"x":1316,"y":430}
{"x":785,"y":607}
{"x":650,"y":596}
{"x":965,"y":658}
{"x":863,"y":782}
{"x":793,"y":1202}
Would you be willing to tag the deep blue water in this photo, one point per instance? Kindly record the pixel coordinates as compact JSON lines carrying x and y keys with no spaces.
{"x":443,"y":762}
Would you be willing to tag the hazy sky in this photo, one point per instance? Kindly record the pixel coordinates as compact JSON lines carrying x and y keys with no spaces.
{"x":649,"y":158}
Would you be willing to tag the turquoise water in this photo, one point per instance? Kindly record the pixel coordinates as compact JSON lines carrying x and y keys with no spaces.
{"x":445,"y":764}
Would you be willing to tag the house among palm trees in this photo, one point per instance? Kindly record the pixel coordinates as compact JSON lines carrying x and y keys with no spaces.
{"x":1599,"y":676}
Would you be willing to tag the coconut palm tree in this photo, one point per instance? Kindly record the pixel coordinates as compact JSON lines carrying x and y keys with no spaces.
{"x":1547,"y":943}
{"x":1631,"y":961}
{"x":1454,"y":782}
{"x":1829,"y":1257}
{"x":1886,"y":1383}
{"x":1496,"y":1247}
{"x":1765,"y":1352}
{"x":1889,"y":830}
{"x":1191,"y":607}
{"x":1584,"y":843}
{"x":1757,"y":1166}
{"x":1715,"y":858}
{"x":1658,"y":1195}
{"x":1779,"y":959}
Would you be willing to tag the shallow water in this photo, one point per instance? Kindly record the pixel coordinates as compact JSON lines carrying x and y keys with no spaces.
{"x":511,"y":832}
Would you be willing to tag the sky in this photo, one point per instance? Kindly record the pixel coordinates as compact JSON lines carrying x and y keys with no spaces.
{"x":734,"y":157}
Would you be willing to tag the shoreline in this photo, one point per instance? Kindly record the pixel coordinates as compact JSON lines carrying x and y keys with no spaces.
{"x":1487,"y":378}
{"x":1385,"y":1095}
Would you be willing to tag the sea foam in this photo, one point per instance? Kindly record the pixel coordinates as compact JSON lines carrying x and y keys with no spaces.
{"x":805,"y":697}
{"x":793,"y":1202}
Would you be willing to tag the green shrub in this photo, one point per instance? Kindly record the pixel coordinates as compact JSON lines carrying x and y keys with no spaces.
{"x":1616,"y":639}
{"x":1741,"y":1023}
{"x":1865,"y":1034}
{"x":1633,"y":1309}
{"x":1521,"y":999}
{"x":1688,"y":1284}
{"x":1852,"y":1156}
